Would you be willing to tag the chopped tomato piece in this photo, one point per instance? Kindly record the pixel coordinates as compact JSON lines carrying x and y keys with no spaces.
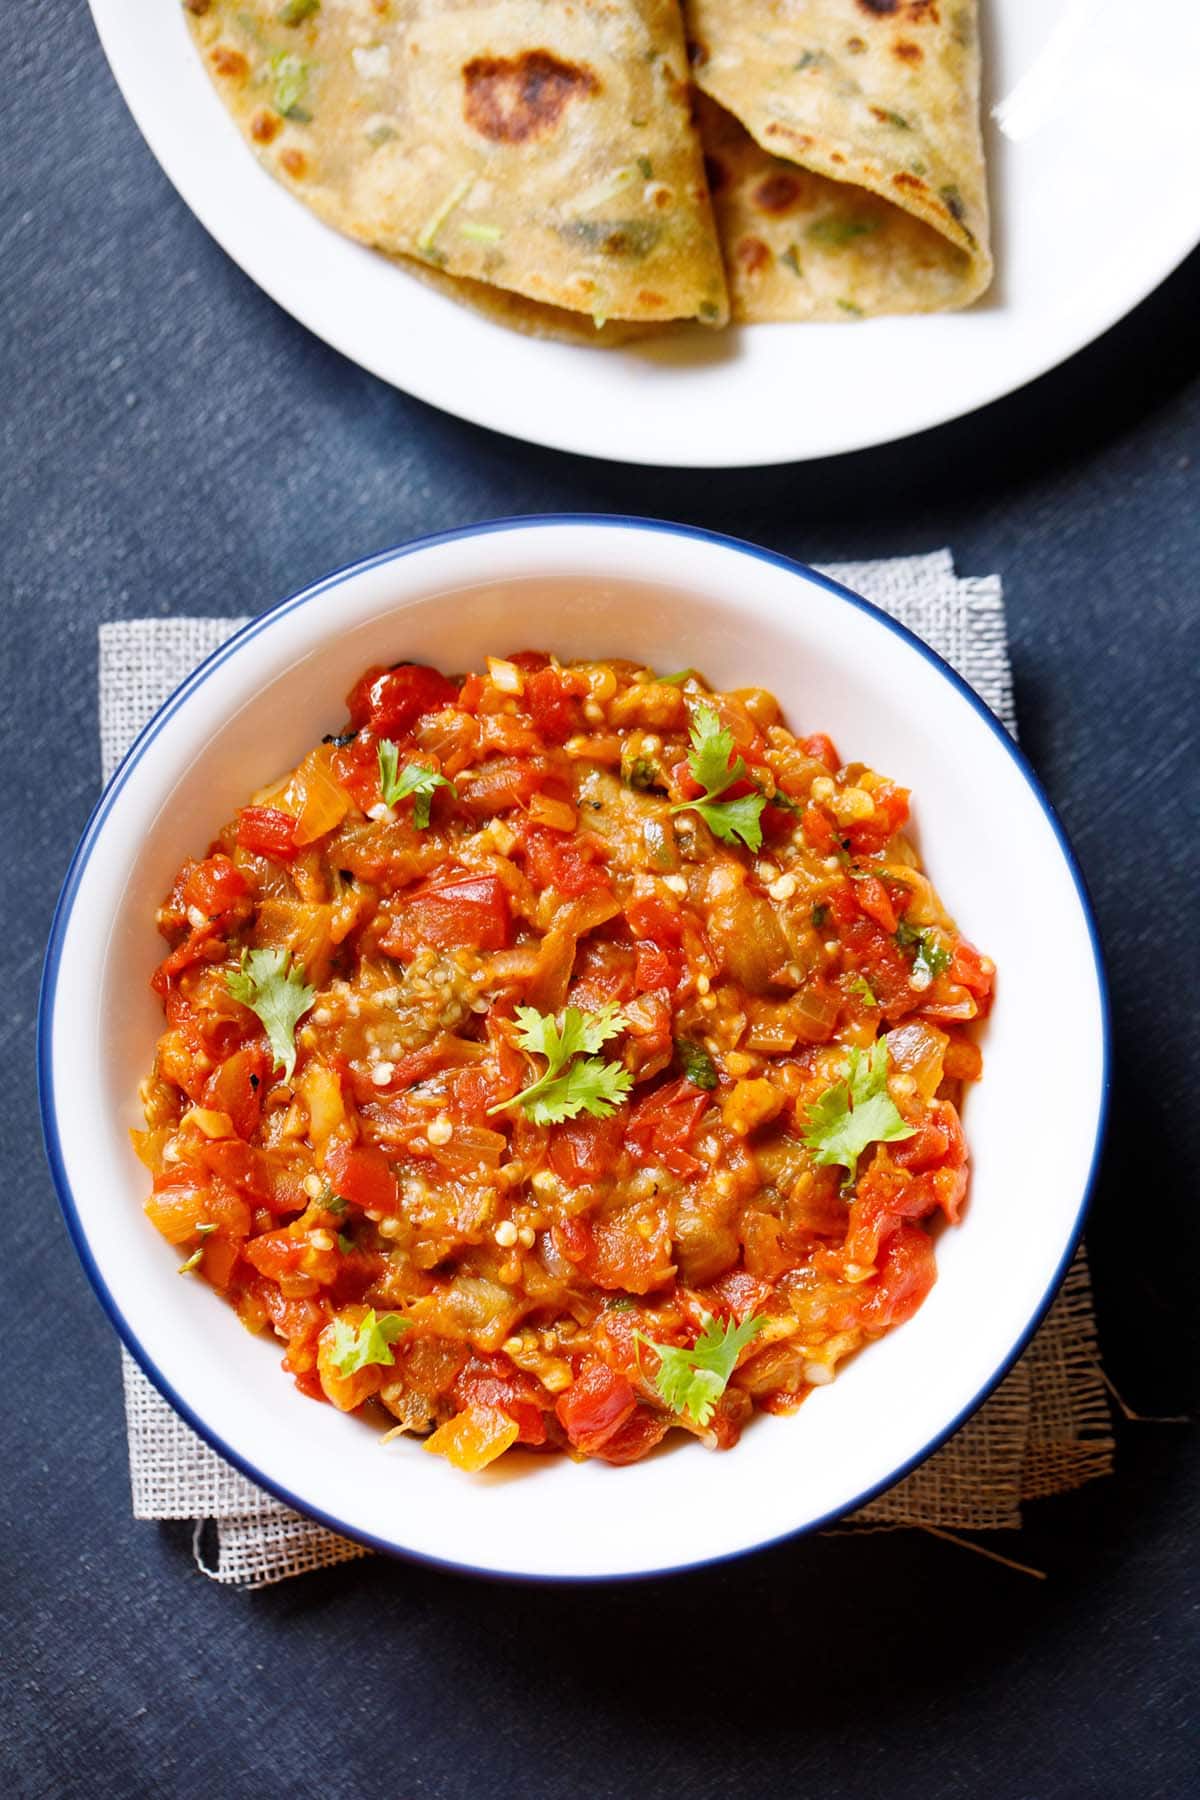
{"x":494,"y":1382}
{"x":971,"y":969}
{"x":267,"y":831}
{"x":820,"y":747}
{"x":595,"y":1406}
{"x":550,"y":695}
{"x":876,"y":902}
{"x":498,"y":786}
{"x":820,"y":829}
{"x":246,"y":1170}
{"x":939,"y":1141}
{"x":362,"y":1176}
{"x":391,"y":701}
{"x":355,"y":767}
{"x":237,"y":1086}
{"x":661,"y":1126}
{"x":200,"y":945}
{"x":573,"y":1239}
{"x":631,"y":1251}
{"x":869,"y":836}
{"x":650,"y":917}
{"x":569,"y":866}
{"x":642,"y":1430}
{"x":276,"y":1254}
{"x":214,"y":885}
{"x":586,"y":1148}
{"x":469,"y":913}
{"x":907,"y":1273}
{"x":656,"y":967}
{"x":742,"y":1293}
{"x":887,"y":969}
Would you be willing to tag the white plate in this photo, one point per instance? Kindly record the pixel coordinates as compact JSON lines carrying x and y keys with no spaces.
{"x":665,"y":595}
{"x":1094,"y":153}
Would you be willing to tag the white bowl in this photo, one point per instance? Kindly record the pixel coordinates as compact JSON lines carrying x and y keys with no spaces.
{"x":667,"y":596}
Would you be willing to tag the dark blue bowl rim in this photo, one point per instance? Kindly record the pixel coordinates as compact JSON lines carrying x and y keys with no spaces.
{"x":62,"y":918}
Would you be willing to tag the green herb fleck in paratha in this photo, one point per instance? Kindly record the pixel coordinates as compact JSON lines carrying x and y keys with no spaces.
{"x":289,"y":77}
{"x":634,"y":238}
{"x":436,"y":220}
{"x":836,"y":230}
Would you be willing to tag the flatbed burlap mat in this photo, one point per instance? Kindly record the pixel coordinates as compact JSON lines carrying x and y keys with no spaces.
{"x":1046,"y":1428}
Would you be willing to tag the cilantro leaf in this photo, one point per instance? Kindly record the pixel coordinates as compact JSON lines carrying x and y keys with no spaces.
{"x":413,"y":778}
{"x":277,"y":993}
{"x":675,"y":680}
{"x":932,"y":958}
{"x":855,"y":1112}
{"x":355,"y":1346}
{"x":568,"y":1087}
{"x":589,"y":1085}
{"x":696,"y":1063}
{"x":580,"y":1033}
{"x":712,"y":749}
{"x":692,"y":1381}
{"x":733,"y":819}
{"x":862,"y":990}
{"x":709,"y":762}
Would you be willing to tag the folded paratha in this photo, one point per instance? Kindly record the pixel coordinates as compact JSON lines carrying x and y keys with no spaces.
{"x":545,"y":152}
{"x":844,"y":153}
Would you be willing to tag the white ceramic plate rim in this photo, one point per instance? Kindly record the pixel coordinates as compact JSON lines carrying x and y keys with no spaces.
{"x":63,"y":925}
{"x":672,"y":406}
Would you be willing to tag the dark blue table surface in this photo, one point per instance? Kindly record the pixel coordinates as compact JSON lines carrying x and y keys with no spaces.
{"x":173,"y":443}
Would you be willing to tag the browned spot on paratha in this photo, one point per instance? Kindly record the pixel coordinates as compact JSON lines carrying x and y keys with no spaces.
{"x":906,"y":52}
{"x":779,"y":192}
{"x":264,"y":126}
{"x":513,"y":99}
{"x":753,"y":255}
{"x":801,"y":139}
{"x":230,"y":63}
{"x":880,"y":8}
{"x":904,"y":179}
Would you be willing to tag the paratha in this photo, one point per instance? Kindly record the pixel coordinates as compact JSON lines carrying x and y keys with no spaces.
{"x":845,"y":154}
{"x":545,"y":151}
